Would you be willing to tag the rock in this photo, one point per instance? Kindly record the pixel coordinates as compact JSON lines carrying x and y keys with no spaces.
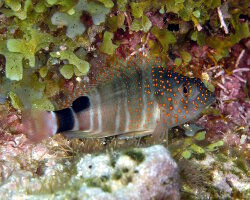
{"x":136,"y":173}
{"x":94,"y":166}
{"x":147,"y":173}
{"x":217,"y":176}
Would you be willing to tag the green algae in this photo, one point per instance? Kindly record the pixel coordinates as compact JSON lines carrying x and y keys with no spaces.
{"x":222,"y":46}
{"x":73,"y":23}
{"x":178,"y":62}
{"x":138,"y":8}
{"x":80,"y":64}
{"x":15,"y":101}
{"x":117,"y":175}
{"x":186,"y":57}
{"x":143,"y":24}
{"x":121,"y":4}
{"x":42,"y":104}
{"x":97,"y":10}
{"x":29,"y":45}
{"x":216,"y":145}
{"x":43,"y":71}
{"x":208,"y":178}
{"x":186,"y":154}
{"x":107,"y":46}
{"x":67,"y":71}
{"x":107,"y":3}
{"x":197,"y":11}
{"x":15,"y":50}
{"x":135,"y":155}
{"x":31,"y":92}
{"x":13,"y":66}
{"x":116,"y":22}
{"x":200,"y":136}
{"x":164,"y":36}
{"x":98,"y":182}
{"x":211,"y":87}
{"x":21,"y":49}
{"x":196,"y":149}
{"x":195,"y":146}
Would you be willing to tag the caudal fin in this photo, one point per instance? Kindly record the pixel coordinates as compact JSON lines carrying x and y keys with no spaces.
{"x":39,"y":125}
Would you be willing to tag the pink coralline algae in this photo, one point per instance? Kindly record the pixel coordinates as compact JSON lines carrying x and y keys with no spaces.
{"x":232,"y":86}
{"x":232,"y":104}
{"x":232,"y":97}
{"x":129,"y":41}
{"x":239,"y":112}
{"x":9,"y":122}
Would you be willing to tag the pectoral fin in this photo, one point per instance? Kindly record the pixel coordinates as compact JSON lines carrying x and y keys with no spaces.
{"x":161,"y":127}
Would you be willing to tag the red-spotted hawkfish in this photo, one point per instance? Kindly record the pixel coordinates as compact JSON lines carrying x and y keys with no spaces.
{"x":140,"y":96}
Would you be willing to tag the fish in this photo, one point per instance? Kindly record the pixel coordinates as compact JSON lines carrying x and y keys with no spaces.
{"x":137,"y":97}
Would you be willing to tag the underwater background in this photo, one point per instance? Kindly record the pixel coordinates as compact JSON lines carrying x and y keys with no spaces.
{"x":48,"y":46}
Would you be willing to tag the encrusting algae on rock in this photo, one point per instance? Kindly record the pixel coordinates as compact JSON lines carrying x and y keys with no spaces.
{"x":44,"y":174}
{"x":138,"y":97}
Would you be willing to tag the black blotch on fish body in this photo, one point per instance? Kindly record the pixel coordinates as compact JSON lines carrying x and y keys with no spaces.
{"x":65,"y":120}
{"x":81,"y":104}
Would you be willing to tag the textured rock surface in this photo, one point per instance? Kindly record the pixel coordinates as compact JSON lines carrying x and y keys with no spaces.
{"x":156,"y":176}
{"x":215,"y":177}
{"x":141,"y":173}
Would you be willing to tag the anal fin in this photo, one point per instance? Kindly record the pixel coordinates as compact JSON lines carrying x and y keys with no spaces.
{"x":91,"y":134}
{"x":134,"y":134}
{"x":79,"y":134}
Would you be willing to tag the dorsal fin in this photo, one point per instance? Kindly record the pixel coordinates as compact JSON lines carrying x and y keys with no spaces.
{"x":100,"y":73}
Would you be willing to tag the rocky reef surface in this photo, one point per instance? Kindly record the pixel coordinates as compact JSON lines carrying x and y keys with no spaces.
{"x":55,"y":169}
{"x":35,"y":172}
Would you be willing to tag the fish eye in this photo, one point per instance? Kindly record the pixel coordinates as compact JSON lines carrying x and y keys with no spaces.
{"x":185,"y":90}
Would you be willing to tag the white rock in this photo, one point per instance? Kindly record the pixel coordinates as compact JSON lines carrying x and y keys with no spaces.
{"x":156,"y":177}
{"x":94,"y":166}
{"x":125,"y":162}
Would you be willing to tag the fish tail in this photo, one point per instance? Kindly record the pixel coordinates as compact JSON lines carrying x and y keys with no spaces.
{"x":39,"y":125}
